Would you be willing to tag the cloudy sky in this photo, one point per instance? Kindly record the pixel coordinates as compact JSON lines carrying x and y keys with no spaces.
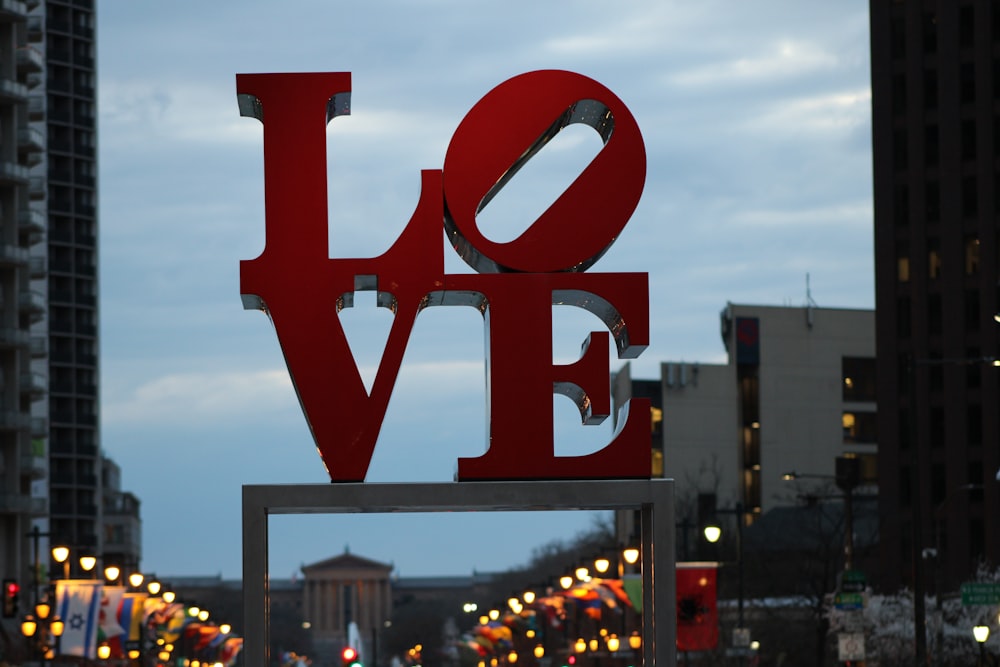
{"x":756,"y":121}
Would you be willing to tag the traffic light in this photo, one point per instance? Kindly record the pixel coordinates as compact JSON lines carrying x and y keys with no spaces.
{"x":349,"y":657}
{"x":10,"y":594}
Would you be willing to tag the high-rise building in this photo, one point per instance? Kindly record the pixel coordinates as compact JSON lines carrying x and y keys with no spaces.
{"x":936,"y":144}
{"x":51,"y":466}
{"x":22,"y":290}
{"x":73,"y":402}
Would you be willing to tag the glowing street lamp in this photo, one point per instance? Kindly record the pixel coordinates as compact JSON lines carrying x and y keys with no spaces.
{"x":981,"y":634}
{"x":60,"y":554}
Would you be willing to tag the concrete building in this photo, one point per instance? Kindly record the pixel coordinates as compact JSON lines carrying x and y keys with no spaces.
{"x":23,"y":376}
{"x":797,"y":392}
{"x":52,"y":472}
{"x":936,"y":139}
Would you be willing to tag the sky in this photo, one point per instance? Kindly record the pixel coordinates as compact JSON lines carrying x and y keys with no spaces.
{"x":756,"y":121}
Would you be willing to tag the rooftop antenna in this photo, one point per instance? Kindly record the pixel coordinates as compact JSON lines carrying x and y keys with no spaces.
{"x":810,"y":304}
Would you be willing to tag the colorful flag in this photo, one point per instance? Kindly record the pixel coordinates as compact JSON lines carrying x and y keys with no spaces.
{"x":130,"y":616}
{"x":230,"y":650}
{"x":697,"y":610}
{"x":111,"y":600}
{"x":79,"y":603}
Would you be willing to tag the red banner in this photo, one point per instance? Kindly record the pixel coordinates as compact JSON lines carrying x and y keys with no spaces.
{"x":697,"y":612}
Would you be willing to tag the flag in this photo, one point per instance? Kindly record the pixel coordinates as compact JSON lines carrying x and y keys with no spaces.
{"x":230,"y":649}
{"x":130,"y":615}
{"x":697,"y":611}
{"x":79,"y":603}
{"x":111,"y":600}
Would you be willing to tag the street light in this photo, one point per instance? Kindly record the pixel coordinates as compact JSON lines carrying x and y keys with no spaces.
{"x":713,"y":532}
{"x":847,"y":478}
{"x":981,"y":634}
{"x":43,"y":629}
{"x":60,"y":554}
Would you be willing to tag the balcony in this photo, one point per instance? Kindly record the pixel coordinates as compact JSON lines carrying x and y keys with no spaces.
{"x":34,"y":466}
{"x":30,"y":59}
{"x":30,"y":145}
{"x":12,"y":255}
{"x":12,"y":10}
{"x":36,"y":107}
{"x":12,"y":337}
{"x":34,"y":385}
{"x":32,"y":222}
{"x":38,"y":267}
{"x":13,"y":420}
{"x":11,"y":172}
{"x":33,"y":303}
{"x":39,"y":346}
{"x":37,"y":188}
{"x":12,"y":91}
{"x":34,"y":507}
{"x":35,"y":23}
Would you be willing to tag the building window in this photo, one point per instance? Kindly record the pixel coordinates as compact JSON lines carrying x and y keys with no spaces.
{"x":903,"y":429}
{"x":939,"y":487}
{"x":897,"y":36}
{"x":966,"y":34}
{"x":971,"y":256}
{"x":858,"y":378}
{"x":932,"y":201}
{"x":901,"y":205}
{"x":898,"y":95}
{"x":859,"y":427}
{"x":932,"y":152}
{"x":973,"y":372}
{"x":930,"y":32}
{"x":967,"y":83}
{"x":902,"y":267}
{"x":968,"y":140}
{"x":930,"y":89}
{"x":934,"y":316}
{"x":937,"y":426}
{"x":933,"y":258}
{"x":974,"y":425}
{"x":899,"y":152}
{"x":970,"y":197}
{"x":903,"y":317}
{"x":971,"y":308}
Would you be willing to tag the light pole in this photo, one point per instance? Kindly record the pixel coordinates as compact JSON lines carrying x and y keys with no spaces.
{"x":712,"y":533}
{"x":981,"y":634}
{"x":847,"y":478}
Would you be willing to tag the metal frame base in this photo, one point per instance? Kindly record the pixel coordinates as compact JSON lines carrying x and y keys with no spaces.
{"x":654,"y":498}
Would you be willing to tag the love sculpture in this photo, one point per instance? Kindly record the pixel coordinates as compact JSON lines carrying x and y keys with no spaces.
{"x":303,"y":290}
{"x":515,"y":286}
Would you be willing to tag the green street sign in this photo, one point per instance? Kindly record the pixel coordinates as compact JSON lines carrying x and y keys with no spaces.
{"x":980,"y":592}
{"x":849,"y":600}
{"x":852,"y":581}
